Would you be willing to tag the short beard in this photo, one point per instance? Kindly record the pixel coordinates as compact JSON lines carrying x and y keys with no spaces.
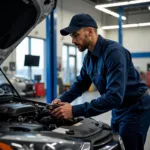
{"x":82,"y":48}
{"x":86,"y":44}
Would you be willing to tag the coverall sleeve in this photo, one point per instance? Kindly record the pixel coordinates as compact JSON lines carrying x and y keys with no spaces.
{"x":116,"y":78}
{"x":81,"y":85}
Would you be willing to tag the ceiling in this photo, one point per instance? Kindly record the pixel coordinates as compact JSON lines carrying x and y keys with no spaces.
{"x":130,"y":10}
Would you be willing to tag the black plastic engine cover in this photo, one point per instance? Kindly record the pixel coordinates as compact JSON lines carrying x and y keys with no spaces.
{"x":21,"y":127}
{"x":14,"y":109}
{"x":98,"y":133}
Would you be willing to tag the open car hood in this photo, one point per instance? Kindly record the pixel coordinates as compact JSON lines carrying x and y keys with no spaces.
{"x":18,"y":18}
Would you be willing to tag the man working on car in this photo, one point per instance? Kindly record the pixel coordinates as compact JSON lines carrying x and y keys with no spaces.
{"x":109,"y":66}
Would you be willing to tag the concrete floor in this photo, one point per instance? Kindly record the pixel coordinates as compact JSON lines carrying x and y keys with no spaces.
{"x":106,"y":117}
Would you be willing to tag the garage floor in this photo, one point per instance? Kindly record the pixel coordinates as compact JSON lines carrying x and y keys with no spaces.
{"x":104,"y":117}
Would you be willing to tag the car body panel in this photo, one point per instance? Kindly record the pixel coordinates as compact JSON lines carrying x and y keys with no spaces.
{"x":16,"y":25}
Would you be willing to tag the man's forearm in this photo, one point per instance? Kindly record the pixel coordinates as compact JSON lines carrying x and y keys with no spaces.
{"x":76,"y":90}
{"x":70,"y":95}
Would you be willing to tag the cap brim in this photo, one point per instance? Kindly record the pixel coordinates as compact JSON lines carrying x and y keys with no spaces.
{"x":69,"y":30}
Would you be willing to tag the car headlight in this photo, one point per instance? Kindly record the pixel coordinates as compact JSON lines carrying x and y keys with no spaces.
{"x":86,"y":146}
{"x":41,"y":142}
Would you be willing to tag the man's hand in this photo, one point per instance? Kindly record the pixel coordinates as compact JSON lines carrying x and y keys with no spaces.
{"x":56,"y":101}
{"x":64,"y":111}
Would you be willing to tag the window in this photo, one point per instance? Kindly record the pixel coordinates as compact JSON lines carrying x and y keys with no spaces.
{"x":65,"y":64}
{"x":72,"y":63}
{"x":22,"y":50}
{"x":79,"y":61}
{"x":31,"y":46}
{"x":37,"y":48}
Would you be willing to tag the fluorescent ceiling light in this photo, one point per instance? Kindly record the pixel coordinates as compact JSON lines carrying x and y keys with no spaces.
{"x":110,"y":27}
{"x":130,"y":25}
{"x":126,"y":26}
{"x":126,"y":3}
{"x":144,"y":24}
{"x":123,"y":3}
{"x":109,"y":12}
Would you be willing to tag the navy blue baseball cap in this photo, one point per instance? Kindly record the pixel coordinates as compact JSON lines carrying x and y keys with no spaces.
{"x":77,"y":22}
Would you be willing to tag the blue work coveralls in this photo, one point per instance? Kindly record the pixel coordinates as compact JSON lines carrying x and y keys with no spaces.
{"x":110,"y":68}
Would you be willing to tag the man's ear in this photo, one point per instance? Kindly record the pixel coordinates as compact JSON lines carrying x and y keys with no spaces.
{"x":90,"y":31}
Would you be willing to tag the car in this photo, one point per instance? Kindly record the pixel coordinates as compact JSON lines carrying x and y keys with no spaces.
{"x":26,"y":124}
{"x":24,"y":86}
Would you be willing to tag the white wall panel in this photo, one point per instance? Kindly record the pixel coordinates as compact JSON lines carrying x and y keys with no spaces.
{"x":39,"y":31}
{"x":141,"y":63}
{"x":134,"y":18}
{"x":134,"y":39}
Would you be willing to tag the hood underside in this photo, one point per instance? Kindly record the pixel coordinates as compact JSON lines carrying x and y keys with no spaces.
{"x":18,"y":18}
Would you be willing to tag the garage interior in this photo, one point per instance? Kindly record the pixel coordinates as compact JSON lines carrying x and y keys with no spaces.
{"x":45,"y":64}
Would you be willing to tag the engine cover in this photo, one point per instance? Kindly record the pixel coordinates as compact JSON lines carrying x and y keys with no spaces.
{"x":13,"y":109}
{"x":23,"y":127}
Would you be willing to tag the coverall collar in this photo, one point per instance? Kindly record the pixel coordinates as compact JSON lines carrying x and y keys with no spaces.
{"x":97,"y":47}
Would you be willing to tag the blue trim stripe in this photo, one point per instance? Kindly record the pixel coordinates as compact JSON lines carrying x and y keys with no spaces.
{"x":140,"y":55}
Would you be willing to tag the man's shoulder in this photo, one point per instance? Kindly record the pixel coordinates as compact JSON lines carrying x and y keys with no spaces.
{"x":114,"y":46}
{"x":111,"y":44}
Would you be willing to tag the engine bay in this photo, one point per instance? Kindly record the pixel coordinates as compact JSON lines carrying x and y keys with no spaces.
{"x":29,"y":117}
{"x":24,"y":117}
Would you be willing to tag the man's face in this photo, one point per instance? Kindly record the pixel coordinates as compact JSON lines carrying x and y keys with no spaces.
{"x":81,"y":39}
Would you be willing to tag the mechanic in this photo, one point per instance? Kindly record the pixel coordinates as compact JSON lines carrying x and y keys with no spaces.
{"x":109,"y":66}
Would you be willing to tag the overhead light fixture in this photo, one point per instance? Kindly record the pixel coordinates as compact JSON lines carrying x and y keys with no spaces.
{"x":109,"y":12}
{"x":110,"y":27}
{"x":126,"y":26}
{"x":144,"y":24}
{"x":126,"y":3}
{"x":130,"y":25}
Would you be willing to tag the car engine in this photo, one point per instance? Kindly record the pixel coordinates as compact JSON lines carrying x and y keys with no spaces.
{"x":29,"y":117}
{"x":20,"y":119}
